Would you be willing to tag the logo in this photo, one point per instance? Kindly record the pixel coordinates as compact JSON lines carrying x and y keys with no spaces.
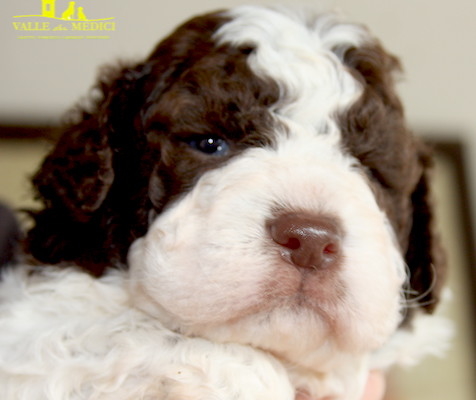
{"x":67,"y":22}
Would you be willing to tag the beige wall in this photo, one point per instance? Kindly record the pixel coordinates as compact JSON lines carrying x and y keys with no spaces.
{"x":451,"y":377}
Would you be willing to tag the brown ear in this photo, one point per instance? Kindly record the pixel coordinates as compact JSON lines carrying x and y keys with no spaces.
{"x":78,"y":220}
{"x":73,"y":183}
{"x":78,"y":173}
{"x":425,"y":256}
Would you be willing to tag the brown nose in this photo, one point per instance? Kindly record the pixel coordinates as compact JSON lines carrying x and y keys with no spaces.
{"x":307,"y":241}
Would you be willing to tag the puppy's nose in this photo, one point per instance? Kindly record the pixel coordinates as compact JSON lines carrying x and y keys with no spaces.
{"x":307,"y":241}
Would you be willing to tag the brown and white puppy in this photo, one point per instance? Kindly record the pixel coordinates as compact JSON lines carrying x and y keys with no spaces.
{"x":254,"y":210}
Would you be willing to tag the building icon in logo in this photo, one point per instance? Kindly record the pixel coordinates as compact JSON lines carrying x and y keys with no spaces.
{"x":71,"y":13}
{"x":48,"y":8}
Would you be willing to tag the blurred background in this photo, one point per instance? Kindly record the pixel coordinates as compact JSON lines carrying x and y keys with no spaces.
{"x":41,"y":78}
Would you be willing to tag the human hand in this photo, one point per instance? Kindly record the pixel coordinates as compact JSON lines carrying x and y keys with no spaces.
{"x":375,"y":388}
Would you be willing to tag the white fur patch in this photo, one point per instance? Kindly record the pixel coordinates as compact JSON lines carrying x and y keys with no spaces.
{"x":299,"y":54}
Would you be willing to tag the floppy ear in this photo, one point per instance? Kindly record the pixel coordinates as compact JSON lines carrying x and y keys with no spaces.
{"x":78,"y":174}
{"x":74,"y":183}
{"x":425,"y":256}
{"x":380,"y":118}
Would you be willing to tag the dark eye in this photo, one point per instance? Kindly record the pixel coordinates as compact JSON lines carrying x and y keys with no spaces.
{"x":211,"y":145}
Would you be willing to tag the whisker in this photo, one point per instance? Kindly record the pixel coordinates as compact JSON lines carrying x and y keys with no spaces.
{"x":412,"y":298}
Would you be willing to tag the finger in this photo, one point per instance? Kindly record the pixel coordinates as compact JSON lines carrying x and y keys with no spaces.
{"x":375,"y":388}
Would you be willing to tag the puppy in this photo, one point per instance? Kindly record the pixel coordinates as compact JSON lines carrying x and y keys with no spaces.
{"x":241,"y":215}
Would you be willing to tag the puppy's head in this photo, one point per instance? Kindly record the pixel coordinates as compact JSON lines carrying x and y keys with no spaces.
{"x":261,"y":160}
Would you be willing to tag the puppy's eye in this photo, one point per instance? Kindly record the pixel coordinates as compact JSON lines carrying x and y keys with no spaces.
{"x":211,"y":145}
